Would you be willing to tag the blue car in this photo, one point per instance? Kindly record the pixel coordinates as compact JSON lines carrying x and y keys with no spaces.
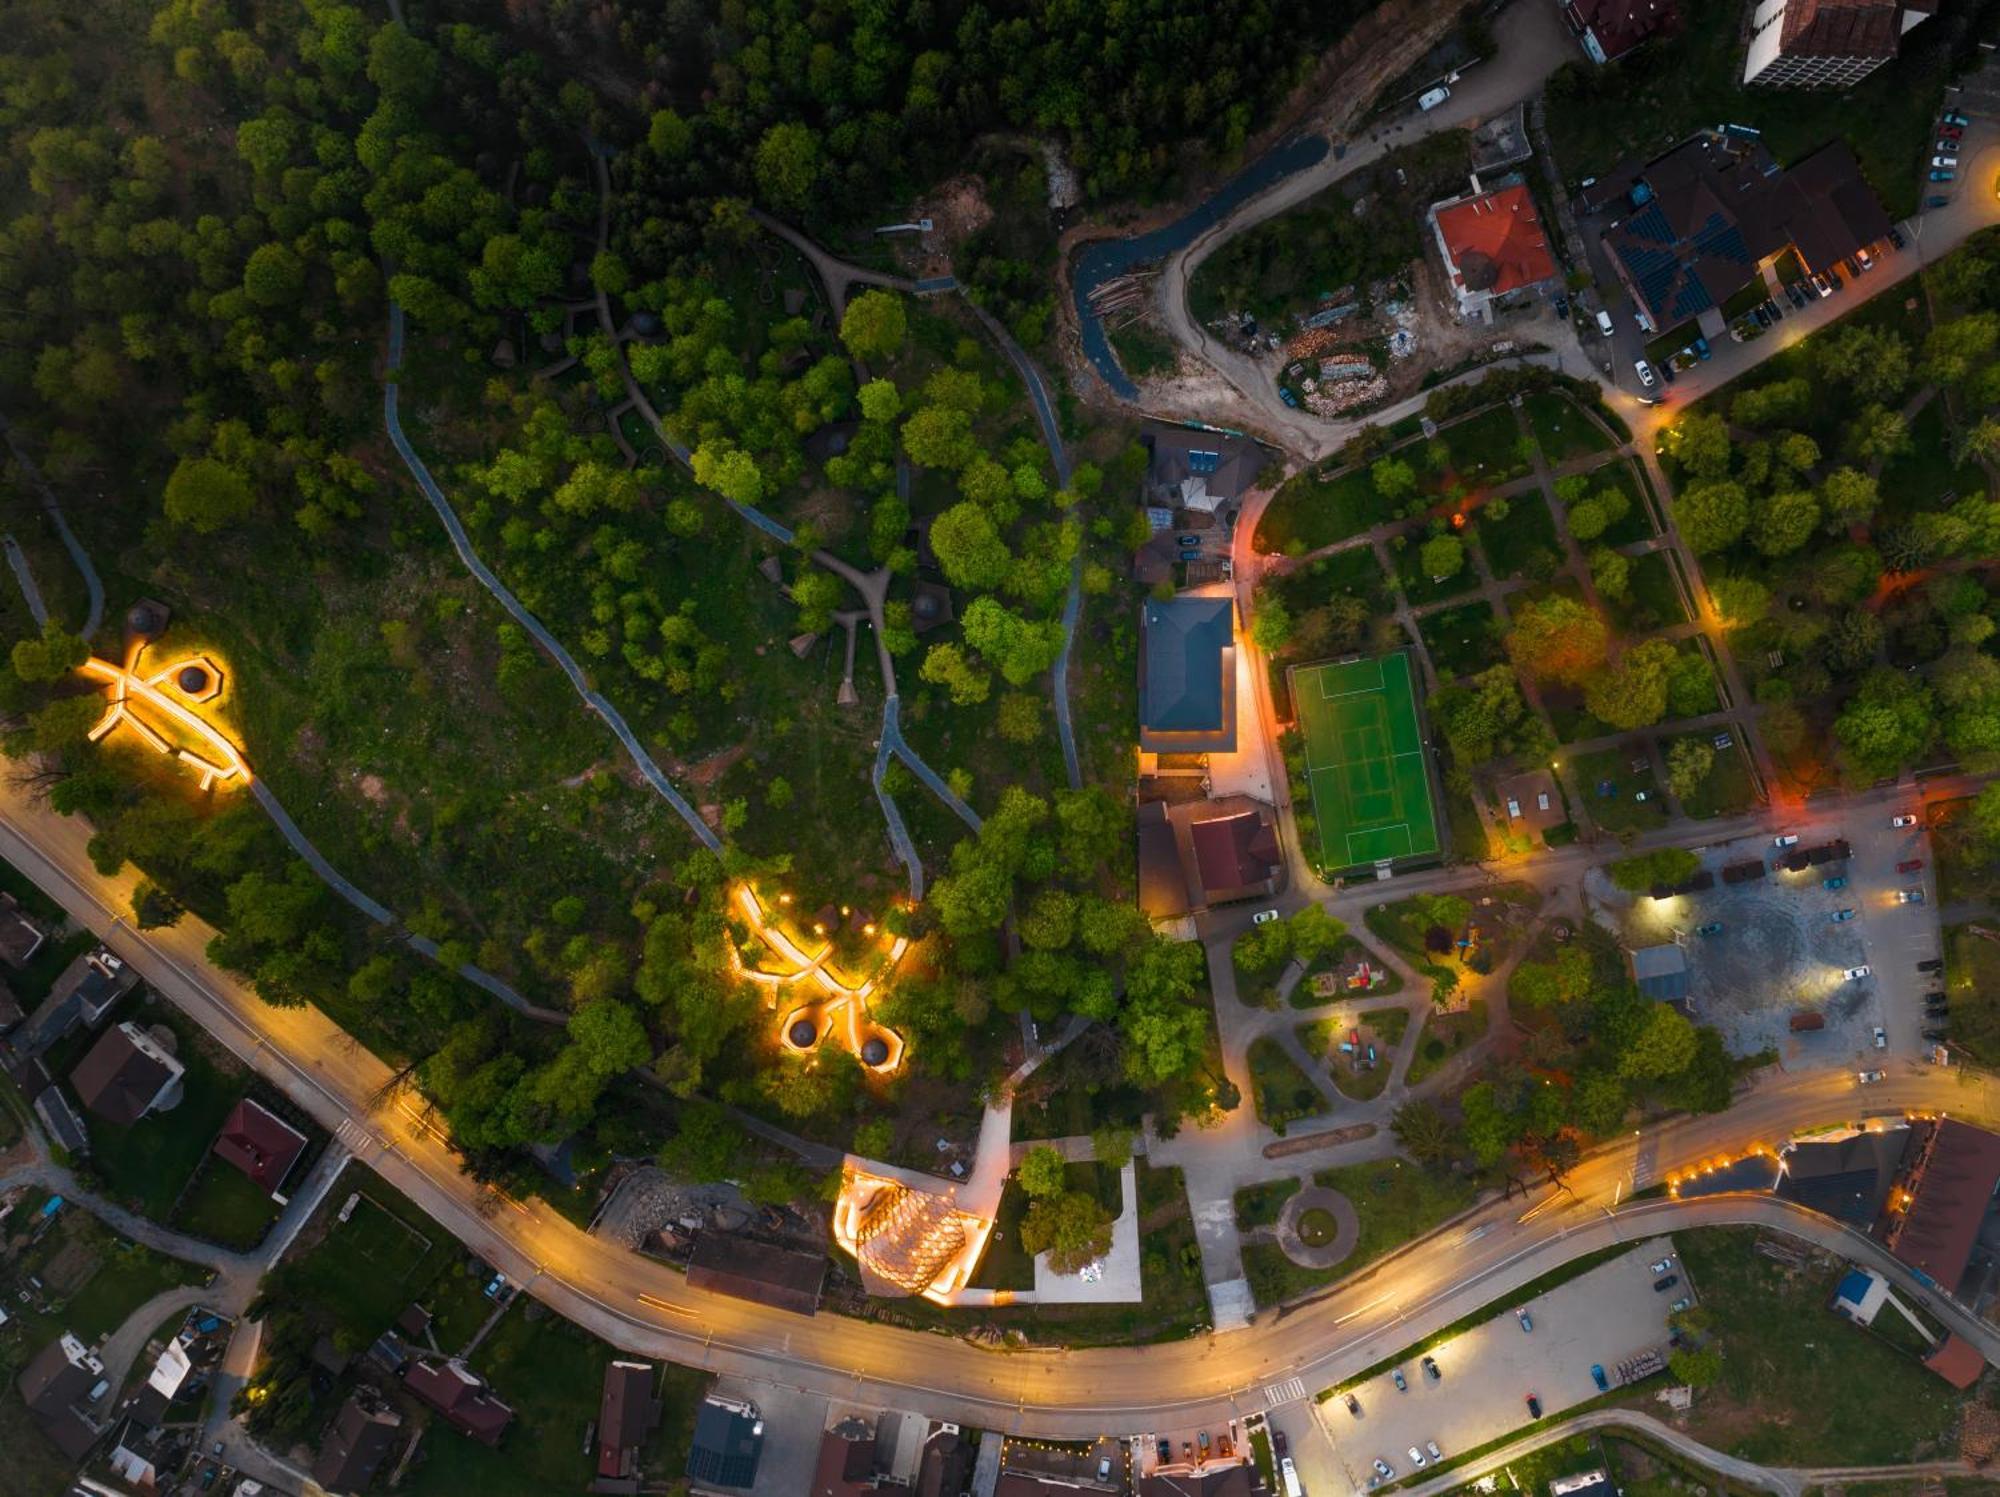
{"x":1713,"y":928}
{"x":1597,"y":1376}
{"x":1841,"y":917}
{"x":1834,"y":883}
{"x":1940,"y":174}
{"x":1701,"y":349}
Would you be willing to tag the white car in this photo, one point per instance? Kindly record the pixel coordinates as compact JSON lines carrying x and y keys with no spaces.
{"x":1383,"y":1469}
{"x":1263,"y":917}
{"x":1417,"y":1458}
{"x":1867,"y":1078}
{"x":1881,"y":1038}
{"x":1790,"y":839}
{"x":1902,"y":821}
{"x":1944,"y":163}
{"x":1431,"y":98}
{"x":1909,"y":896}
{"x":1646,"y":375}
{"x":1432,"y":1447}
{"x":1664,"y":1264}
{"x":1853,"y":972}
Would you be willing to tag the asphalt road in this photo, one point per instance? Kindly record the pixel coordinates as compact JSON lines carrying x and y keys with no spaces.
{"x":648,"y":1308}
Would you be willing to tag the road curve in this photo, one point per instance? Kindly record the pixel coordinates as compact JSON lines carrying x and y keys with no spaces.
{"x":647,"y":1307}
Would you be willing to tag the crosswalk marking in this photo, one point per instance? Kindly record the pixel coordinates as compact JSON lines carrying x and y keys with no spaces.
{"x":1289,"y":1391}
{"x":354,"y":1135}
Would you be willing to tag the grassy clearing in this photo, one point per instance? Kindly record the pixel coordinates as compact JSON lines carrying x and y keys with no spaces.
{"x":1636,"y":523}
{"x":1651,"y":601}
{"x":1282,"y":1092}
{"x":1484,"y":450}
{"x":1445,"y":1035}
{"x":1561,"y":430}
{"x":1261,"y":1205}
{"x":1620,"y":810}
{"x":1727,"y":789}
{"x":1396,"y":1201}
{"x":1311,"y":511}
{"x":1799,"y":1385}
{"x":1524,"y":542}
{"x":1462,"y":639}
{"x":361,"y":1272}
{"x":1418,"y":585}
{"x":1972,"y":984}
{"x":1142,"y":350}
{"x":224,"y":1206}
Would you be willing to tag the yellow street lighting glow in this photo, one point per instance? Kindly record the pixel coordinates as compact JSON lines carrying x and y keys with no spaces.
{"x":127,"y":694}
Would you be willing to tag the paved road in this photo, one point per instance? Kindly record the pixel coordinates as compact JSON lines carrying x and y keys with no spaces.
{"x":648,"y":1308}
{"x":461,"y":542}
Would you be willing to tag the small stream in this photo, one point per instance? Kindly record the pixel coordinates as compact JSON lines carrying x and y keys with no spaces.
{"x":1106,"y":259}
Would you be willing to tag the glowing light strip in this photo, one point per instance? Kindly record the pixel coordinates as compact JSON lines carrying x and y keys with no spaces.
{"x":848,"y":996}
{"x":127,"y":689}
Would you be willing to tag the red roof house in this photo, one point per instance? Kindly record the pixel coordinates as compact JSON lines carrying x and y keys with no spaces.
{"x":1493,"y":247}
{"x":461,"y":1397}
{"x":260,"y":1143}
{"x":1949,"y":1176}
{"x":1608,"y":29}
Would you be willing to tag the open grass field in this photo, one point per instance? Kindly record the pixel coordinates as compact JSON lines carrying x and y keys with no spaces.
{"x":364,"y":1270}
{"x":225,"y":1206}
{"x":1515,"y":545}
{"x":1561,"y":430}
{"x":1365,"y":761}
{"x":1463,"y":639}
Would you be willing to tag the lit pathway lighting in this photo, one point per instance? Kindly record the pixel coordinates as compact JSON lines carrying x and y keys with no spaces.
{"x":157,"y":705}
{"x":841,"y":1012}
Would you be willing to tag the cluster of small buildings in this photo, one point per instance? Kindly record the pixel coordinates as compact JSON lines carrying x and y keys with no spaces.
{"x":1204,"y":837}
{"x":1790,"y":43}
{"x":858,"y":1452}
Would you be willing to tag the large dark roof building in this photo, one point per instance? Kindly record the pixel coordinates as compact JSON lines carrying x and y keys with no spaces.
{"x":1197,"y":854}
{"x":1661,"y":972}
{"x":56,"y":1386}
{"x":1691,"y":228}
{"x":783,"y":1278}
{"x":728,"y":1438}
{"x":1235,"y":855}
{"x":1825,"y":43}
{"x":1844,"y":1178}
{"x":20,"y":936}
{"x":260,"y":1143}
{"x":1949,"y":1174}
{"x":83,"y":994}
{"x":1192,"y":469}
{"x":127,"y":1075}
{"x":1187,"y":676}
{"x":461,"y":1397}
{"x":355,"y":1445}
{"x":1608,"y":29}
{"x":1214,"y":1481}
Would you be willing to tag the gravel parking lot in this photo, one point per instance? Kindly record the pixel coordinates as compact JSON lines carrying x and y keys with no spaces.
{"x":1781,"y":948}
{"x":1605,"y":1316}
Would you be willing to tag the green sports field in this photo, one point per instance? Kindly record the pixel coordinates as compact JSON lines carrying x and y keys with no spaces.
{"x":1371,"y":789}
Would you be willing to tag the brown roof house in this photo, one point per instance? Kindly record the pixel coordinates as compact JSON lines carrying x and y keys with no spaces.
{"x":1608,"y":29}
{"x":1532,"y":801}
{"x":1825,"y":43}
{"x":846,"y":1464}
{"x":1949,"y":1174}
{"x":1194,"y":855}
{"x":783,"y":1278}
{"x":626,"y":1415}
{"x":355,"y":1445}
{"x":126,"y":1075}
{"x":56,"y":1386}
{"x":260,"y":1143}
{"x":461,"y":1396}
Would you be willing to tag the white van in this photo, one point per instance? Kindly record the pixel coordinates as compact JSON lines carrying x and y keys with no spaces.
{"x":1290,"y":1473}
{"x":1604,"y":323}
{"x":1431,"y":99}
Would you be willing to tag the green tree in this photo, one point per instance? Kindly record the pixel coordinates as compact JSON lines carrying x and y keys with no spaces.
{"x":1785,"y":521}
{"x":787,"y":165}
{"x":946,"y":665}
{"x":1426,"y":1135}
{"x":273,"y":276}
{"x":1272,"y":627}
{"x":610,"y":1037}
{"x":939,"y":437}
{"x":1689,"y":761}
{"x":1442,"y":556}
{"x":874,"y":327}
{"x":1112,"y":1144}
{"x":1668,"y":865}
{"x":726,"y":469}
{"x":1873,"y":362}
{"x":1664,"y":1044}
{"x":969,"y":547}
{"x":1042,"y":1174}
{"x":1887,"y":725}
{"x":1611,"y":573}
{"x":1740,"y":600}
{"x":1700,"y":444}
{"x":1393,"y":479}
{"x":1073,"y":1229}
{"x":205,"y":495}
{"x":1315,"y":934}
{"x":50,"y":656}
{"x":1697,"y":1367}
{"x":1711,"y":516}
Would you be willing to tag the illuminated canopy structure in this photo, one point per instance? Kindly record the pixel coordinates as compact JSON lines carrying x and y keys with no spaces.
{"x":839,"y":1008}
{"x":159,"y":710}
{"x":907,"y":1238}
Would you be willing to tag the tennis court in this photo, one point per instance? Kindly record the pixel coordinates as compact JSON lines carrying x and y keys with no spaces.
{"x":1371,"y":789}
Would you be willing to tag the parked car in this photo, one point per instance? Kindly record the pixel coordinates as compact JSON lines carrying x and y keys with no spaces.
{"x":1667,"y":373}
{"x":1534,"y":1407}
{"x":1263,"y":917}
{"x":1402,"y":1383}
{"x":1937,"y":202}
{"x":1417,"y":1458}
{"x":1881,"y":1038}
{"x":1838,"y":881}
{"x":1431,"y":98}
{"x":1664,"y":1264}
{"x":1934,"y":964}
{"x":1759,"y":316}
{"x":1822,"y":285}
{"x":1902,"y":821}
{"x":1702,"y":350}
{"x":1661,"y":1286}
{"x":1790,"y":839}
{"x":1910,"y":865}
{"x":1431,"y":1369}
{"x":1432,"y":1447}
{"x":1713,"y":928}
{"x":1645,"y":373}
{"x":1855,"y":972}
{"x":1383,"y":1469}
{"x":1166,"y":1452}
{"x":1895,"y":236}
{"x":1952,"y":132}
{"x":1944,"y":161}
{"x":1722,"y":741}
{"x":1604,"y":322}
{"x":1202,"y":1440}
{"x":1867,"y":1078}
{"x":1679,"y":1305}
{"x":1354,"y":1406}
{"x":1797,"y":296}
{"x":1953,"y":117}
{"x":1279,"y":1443}
{"x":1527,"y":1320}
{"x":1562,"y":306}
{"x":1104,"y":1468}
{"x":1597,"y":1376}
{"x":1942,"y":176}
{"x":1865,"y":260}
{"x":1948,"y":146}
{"x":1841,"y":917}
{"x":1909,"y":896}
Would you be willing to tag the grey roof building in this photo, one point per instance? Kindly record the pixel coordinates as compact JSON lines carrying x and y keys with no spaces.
{"x":1661,"y":972}
{"x":355,"y":1445}
{"x":1194,"y":469}
{"x":728,"y":1438}
{"x":1187,"y":676}
{"x":61,"y":1121}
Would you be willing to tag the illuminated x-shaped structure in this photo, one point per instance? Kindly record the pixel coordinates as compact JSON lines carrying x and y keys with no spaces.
{"x":842,"y":1010}
{"x":161,"y":704}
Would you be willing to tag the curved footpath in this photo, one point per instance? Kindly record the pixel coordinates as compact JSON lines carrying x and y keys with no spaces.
{"x":93,"y":584}
{"x":646,"y":1307}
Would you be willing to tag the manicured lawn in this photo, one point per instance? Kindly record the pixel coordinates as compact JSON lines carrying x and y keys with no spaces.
{"x":1635,"y":524}
{"x":1444,"y":1036}
{"x":224,"y":1206}
{"x":1652,"y":601}
{"x":1259,"y":1205}
{"x":1484,"y":451}
{"x":1310,"y":512}
{"x":363,"y":1271}
{"x":551,"y":1374}
{"x":1283,"y":1093}
{"x":146,"y":1166}
{"x":1619,"y":811}
{"x":1921,"y":477}
{"x":1573,"y":721}
{"x":1462,"y":639}
{"x":1397,"y":1202}
{"x":1561,"y":429}
{"x":1529,"y":531}
{"x":1007,"y":1264}
{"x":1727,"y":789}
{"x":1799,"y":1384}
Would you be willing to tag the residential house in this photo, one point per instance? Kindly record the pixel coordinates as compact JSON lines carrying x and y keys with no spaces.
{"x":1956,"y":1360}
{"x":461,"y":1398}
{"x":1209,"y":1481}
{"x":20,"y":935}
{"x":1196,"y":854}
{"x":627,"y":1413}
{"x":260,"y":1144}
{"x":127,"y":1075}
{"x":846,"y":1464}
{"x":1661,"y":972}
{"x":1187,"y":676}
{"x":946,"y":1467}
{"x":1596,"y":1483}
{"x":1196,"y":469}
{"x":1494,"y":248}
{"x":1608,"y":29}
{"x":784,"y":1278}
{"x":1532,"y":801}
{"x":59,"y":1385}
{"x":1825,"y":43}
{"x":11,"y":1013}
{"x":359,"y":1439}
{"x":83,"y":993}
{"x":728,"y":1439}
{"x":61,"y":1121}
{"x":1845,"y":1175}
{"x":1941,"y":1201}
{"x":1688,"y":230}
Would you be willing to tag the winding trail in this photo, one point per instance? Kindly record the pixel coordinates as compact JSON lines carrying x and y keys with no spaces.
{"x":462,"y":544}
{"x":93,"y":583}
